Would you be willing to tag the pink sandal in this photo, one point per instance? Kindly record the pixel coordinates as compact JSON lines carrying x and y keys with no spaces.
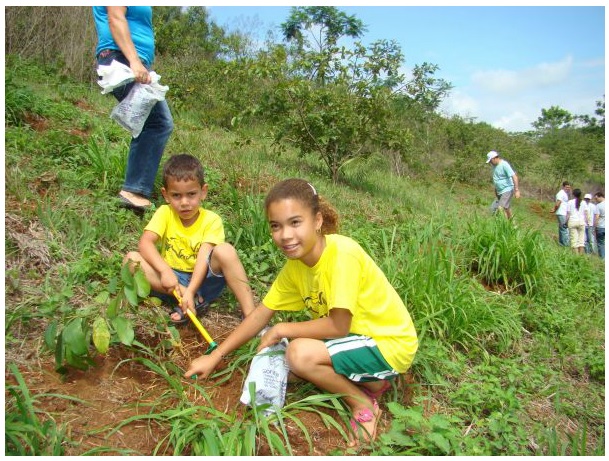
{"x":378,"y":394}
{"x":365,"y":416}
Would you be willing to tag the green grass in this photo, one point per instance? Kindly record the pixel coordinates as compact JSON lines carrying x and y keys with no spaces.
{"x":509,"y":323}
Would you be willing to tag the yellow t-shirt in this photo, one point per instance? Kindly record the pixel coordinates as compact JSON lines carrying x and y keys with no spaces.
{"x":346,"y":277}
{"x":180,"y":245}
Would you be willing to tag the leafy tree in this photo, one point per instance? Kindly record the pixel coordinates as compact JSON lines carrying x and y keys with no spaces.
{"x":553,"y":118}
{"x":330,"y":99}
{"x":186,"y":31}
{"x":425,"y":89}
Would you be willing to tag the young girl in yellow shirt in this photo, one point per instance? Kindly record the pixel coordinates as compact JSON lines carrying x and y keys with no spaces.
{"x":361,"y":334}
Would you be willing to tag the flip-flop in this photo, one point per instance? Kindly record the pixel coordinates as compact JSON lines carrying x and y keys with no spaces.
{"x":365,"y":416}
{"x":201,"y":308}
{"x":376,"y":395}
{"x":183,"y":318}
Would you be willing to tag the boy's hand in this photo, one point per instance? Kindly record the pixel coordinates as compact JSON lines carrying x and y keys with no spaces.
{"x":188,"y":301}
{"x":169,"y":280}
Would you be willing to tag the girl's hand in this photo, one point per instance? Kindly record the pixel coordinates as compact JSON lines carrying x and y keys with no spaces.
{"x":271,"y":337}
{"x":203,"y":366}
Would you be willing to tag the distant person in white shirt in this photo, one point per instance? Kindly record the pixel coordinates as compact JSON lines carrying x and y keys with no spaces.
{"x":576,"y":221}
{"x":599,"y":223}
{"x":590,"y":209}
{"x":560,"y":209}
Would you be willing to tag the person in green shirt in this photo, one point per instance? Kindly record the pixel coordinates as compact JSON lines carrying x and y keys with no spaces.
{"x":505,"y":181}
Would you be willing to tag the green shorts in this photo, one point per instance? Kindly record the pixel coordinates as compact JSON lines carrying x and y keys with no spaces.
{"x":359,"y":359}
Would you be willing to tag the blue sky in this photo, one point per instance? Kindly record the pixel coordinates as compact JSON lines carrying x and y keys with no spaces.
{"x":505,"y":63}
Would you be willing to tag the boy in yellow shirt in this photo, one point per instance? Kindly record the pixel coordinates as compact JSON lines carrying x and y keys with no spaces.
{"x":182,"y":248}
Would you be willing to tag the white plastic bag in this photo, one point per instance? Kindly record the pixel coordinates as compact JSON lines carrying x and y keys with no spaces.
{"x":131,"y":113}
{"x":269,"y":372}
{"x":114,"y":75}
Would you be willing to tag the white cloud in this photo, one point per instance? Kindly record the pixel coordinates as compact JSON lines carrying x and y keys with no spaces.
{"x":516,"y":121}
{"x":461,"y":103}
{"x":513,"y":82}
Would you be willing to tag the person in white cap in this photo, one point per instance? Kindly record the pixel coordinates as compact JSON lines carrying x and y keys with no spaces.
{"x":589,"y":213}
{"x":505,"y":180}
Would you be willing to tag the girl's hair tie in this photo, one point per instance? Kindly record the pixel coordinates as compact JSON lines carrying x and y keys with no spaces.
{"x":312,"y":188}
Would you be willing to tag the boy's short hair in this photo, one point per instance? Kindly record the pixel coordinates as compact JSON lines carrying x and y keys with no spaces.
{"x":599,"y":194}
{"x":183,"y":167}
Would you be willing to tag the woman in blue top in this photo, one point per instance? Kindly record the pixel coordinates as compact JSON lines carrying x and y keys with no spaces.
{"x":125,"y":34}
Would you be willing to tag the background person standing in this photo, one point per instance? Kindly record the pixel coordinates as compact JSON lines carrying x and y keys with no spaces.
{"x":599,"y":223}
{"x":505,"y":181}
{"x":576,"y":221}
{"x":560,"y":209}
{"x":589,"y":213}
{"x":125,"y":34}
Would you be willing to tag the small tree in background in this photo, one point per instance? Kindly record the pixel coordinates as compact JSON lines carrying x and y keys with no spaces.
{"x":334,"y":100}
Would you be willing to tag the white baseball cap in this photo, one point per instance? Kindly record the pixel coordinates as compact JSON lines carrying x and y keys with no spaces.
{"x":491,"y":155}
{"x":588,"y":196}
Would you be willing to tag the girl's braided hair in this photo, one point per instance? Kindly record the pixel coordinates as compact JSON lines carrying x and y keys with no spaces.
{"x":303,"y":191}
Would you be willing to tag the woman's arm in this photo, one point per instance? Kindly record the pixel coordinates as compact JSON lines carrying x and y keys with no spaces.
{"x":122,"y":36}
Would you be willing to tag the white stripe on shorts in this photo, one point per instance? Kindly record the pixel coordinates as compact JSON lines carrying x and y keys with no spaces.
{"x":349,"y":343}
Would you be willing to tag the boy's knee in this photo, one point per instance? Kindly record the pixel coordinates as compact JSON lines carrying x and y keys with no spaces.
{"x":131,"y":256}
{"x":224,"y":253}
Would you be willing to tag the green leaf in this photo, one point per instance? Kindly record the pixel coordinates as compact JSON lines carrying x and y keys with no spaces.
{"x":102,"y":298}
{"x":101,"y":335}
{"x":126,"y":275}
{"x":59,"y":354}
{"x":124,"y":330}
{"x":142,"y":284}
{"x":131,"y":294}
{"x":74,"y":337}
{"x":78,"y":361}
{"x":50,"y":335}
{"x":440,"y":441}
{"x":112,"y":309}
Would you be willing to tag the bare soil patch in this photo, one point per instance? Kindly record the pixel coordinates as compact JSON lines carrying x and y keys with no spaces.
{"x":117,"y":388}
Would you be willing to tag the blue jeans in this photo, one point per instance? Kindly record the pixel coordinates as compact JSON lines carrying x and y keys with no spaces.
{"x":210,"y":289}
{"x":589,"y":248}
{"x":146,"y":150}
{"x":563,"y":232}
{"x":600,"y":241}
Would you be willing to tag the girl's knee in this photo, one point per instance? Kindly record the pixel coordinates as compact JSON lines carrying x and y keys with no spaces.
{"x":300,"y":354}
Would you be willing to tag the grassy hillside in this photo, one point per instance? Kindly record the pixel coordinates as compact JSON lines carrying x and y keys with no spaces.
{"x":511,"y":326}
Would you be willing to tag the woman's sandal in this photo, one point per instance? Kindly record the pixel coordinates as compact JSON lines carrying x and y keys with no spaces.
{"x":365,"y":416}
